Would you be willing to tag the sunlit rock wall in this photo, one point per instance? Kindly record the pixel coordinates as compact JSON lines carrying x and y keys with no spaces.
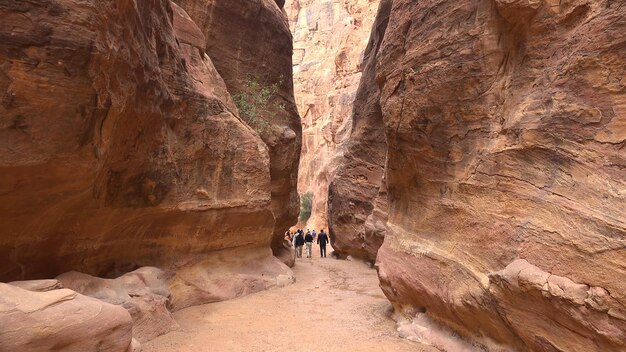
{"x":330,"y":37}
{"x":250,"y":41}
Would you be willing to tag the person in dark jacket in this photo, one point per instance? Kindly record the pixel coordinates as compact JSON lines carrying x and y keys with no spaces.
{"x":308,"y":239}
{"x":322,"y":239}
{"x":299,"y":242}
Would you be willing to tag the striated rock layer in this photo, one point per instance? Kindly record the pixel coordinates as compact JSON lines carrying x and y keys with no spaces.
{"x":143,"y":292}
{"x":357,"y":199}
{"x":119,"y":143}
{"x":78,"y":323}
{"x":249,"y":41}
{"x":506,"y":124}
{"x":329,"y":41}
{"x":121,"y":147}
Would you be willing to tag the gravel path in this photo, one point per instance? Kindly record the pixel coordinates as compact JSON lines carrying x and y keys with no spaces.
{"x":335,"y":305}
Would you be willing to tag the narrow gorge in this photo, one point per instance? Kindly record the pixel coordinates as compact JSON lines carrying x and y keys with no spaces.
{"x":468,"y":157}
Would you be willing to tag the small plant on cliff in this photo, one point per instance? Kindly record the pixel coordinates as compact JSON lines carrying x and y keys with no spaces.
{"x":306,"y":204}
{"x":254,"y":104}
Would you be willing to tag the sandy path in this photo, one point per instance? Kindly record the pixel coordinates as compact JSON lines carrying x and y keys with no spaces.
{"x":335,"y":305}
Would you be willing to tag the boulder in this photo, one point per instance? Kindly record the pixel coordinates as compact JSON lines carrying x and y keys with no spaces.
{"x":61,"y":320}
{"x":143,"y":293}
{"x":227,"y":274}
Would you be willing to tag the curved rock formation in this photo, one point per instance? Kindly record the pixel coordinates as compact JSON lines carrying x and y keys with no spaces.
{"x":228,"y":274}
{"x":357,"y":199}
{"x":61,"y":320}
{"x":143,"y":292}
{"x":329,"y":40}
{"x":505,"y":125}
{"x":120,"y":145}
{"x":249,"y":42}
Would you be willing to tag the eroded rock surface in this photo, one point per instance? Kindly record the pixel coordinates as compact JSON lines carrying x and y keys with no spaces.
{"x":38,"y":285}
{"x":357,"y":198}
{"x":329,"y":42}
{"x":505,"y":125}
{"x":534,"y":300}
{"x":121,"y":147}
{"x":227,"y":274}
{"x":144,"y":293}
{"x":61,"y":320}
{"x":119,"y":143}
{"x":249,"y":42}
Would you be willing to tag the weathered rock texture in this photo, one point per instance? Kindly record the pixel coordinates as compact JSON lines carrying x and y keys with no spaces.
{"x":119,"y":143}
{"x":38,"y":285}
{"x":506,"y":126}
{"x":120,"y":147}
{"x":249,"y":41}
{"x":357,"y":199}
{"x":226,"y":275}
{"x":329,"y":39}
{"x":61,"y":320}
{"x":143,"y":292}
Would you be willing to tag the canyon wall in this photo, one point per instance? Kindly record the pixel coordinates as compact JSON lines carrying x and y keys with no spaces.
{"x":119,"y":150}
{"x":505,"y":123}
{"x":329,"y":39}
{"x":250,"y":43}
{"x":121,"y":146}
{"x":357,"y":199}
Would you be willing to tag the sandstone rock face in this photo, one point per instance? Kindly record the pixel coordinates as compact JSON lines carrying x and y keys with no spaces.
{"x":330,"y":37}
{"x":534,"y":300}
{"x":357,"y":199}
{"x":144,"y":293}
{"x":121,"y":146}
{"x":249,"y":42}
{"x":61,"y":320}
{"x":226,"y":275}
{"x":119,"y":143}
{"x":38,"y":285}
{"x":505,"y":128}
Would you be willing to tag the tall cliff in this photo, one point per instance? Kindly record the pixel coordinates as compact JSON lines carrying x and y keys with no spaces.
{"x":250,"y":43}
{"x":329,"y":39}
{"x":357,"y":199}
{"x":121,"y":146}
{"x":505,"y":123}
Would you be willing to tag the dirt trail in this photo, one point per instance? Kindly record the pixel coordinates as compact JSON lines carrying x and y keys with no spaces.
{"x":335,"y":305}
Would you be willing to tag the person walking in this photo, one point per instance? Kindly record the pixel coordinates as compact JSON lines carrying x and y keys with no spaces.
{"x":308,"y":239}
{"x":299,"y":242}
{"x":314,"y":234}
{"x":322,"y":239}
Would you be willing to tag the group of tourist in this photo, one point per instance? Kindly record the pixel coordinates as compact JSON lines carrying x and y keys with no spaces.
{"x":299,"y":239}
